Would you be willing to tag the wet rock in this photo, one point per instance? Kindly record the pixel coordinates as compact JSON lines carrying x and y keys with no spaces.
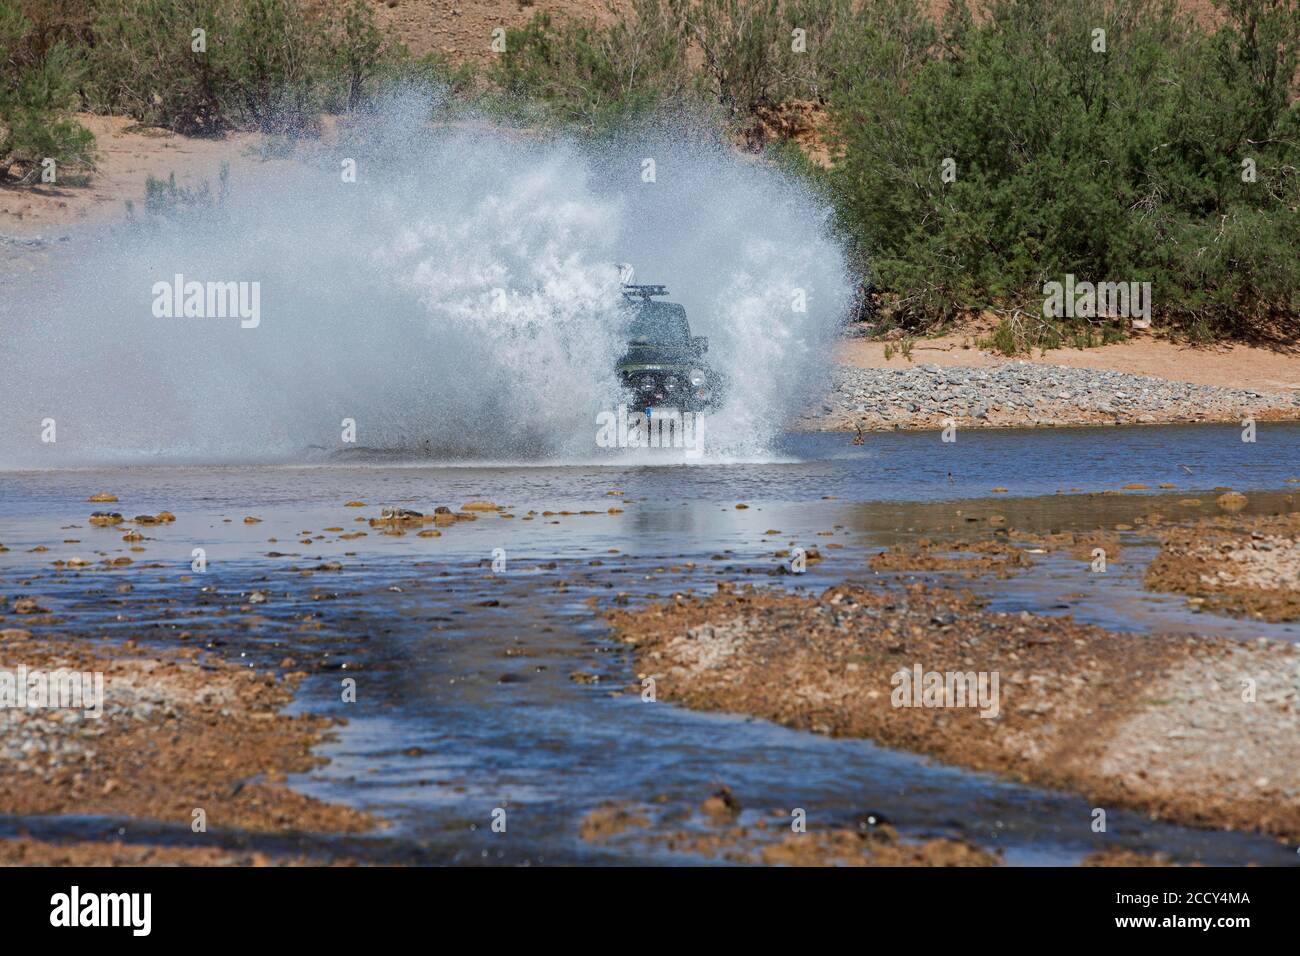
{"x":396,"y":518}
{"x":609,"y":819}
{"x":874,"y":826}
{"x":722,"y":807}
{"x":102,"y":497}
{"x":105,"y":518}
{"x":1231,"y":501}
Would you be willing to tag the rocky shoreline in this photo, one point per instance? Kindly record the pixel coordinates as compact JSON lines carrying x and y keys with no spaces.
{"x":1154,"y":722}
{"x":1019,"y":393}
{"x":1148,"y":721}
{"x":161,"y":749}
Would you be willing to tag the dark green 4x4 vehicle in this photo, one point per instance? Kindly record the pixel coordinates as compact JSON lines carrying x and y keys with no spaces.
{"x":664,"y":364}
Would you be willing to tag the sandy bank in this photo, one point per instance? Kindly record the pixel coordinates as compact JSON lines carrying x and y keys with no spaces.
{"x":1155,"y":722}
{"x":179,"y":732}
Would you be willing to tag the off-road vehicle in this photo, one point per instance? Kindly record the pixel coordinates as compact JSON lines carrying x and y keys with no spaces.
{"x":664,"y":364}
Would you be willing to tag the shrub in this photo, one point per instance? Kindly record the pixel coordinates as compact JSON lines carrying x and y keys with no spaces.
{"x":1114,"y":165}
{"x":143,"y":62}
{"x":594,"y":75}
{"x":38,"y":92}
{"x":265,"y":64}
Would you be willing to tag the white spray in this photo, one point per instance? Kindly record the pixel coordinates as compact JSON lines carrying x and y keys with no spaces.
{"x":457,"y":301}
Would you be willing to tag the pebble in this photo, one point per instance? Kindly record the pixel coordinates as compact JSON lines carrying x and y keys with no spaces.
{"x":1044,"y":389}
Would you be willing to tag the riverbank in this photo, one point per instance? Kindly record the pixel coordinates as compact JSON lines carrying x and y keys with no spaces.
{"x":1154,"y":722}
{"x":1021,"y":393}
{"x":184,"y":738}
{"x":486,"y":677}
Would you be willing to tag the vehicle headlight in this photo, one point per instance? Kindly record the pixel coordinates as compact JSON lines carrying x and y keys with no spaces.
{"x":697,"y":378}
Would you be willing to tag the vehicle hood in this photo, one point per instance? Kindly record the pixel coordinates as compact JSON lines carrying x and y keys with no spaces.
{"x":664,"y":356}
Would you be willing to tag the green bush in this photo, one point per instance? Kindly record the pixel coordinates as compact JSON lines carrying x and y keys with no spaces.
{"x":143,"y":62}
{"x":851,"y":41}
{"x":746,"y":47}
{"x":355,"y":50}
{"x":598,"y":76}
{"x":273,"y":62}
{"x":38,"y":92}
{"x":1122,"y":165}
{"x":270,"y":65}
{"x":738,"y":56}
{"x":1116,"y":164}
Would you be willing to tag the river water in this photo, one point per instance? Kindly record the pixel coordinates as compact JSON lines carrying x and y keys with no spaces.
{"x":465,"y":696}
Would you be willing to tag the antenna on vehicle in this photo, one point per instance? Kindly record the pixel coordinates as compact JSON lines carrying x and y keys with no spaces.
{"x":643,"y":291}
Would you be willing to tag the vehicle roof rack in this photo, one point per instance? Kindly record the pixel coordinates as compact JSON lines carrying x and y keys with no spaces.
{"x":644,"y":291}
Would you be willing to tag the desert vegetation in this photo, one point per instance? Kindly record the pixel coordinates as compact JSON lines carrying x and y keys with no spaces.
{"x":970,"y":157}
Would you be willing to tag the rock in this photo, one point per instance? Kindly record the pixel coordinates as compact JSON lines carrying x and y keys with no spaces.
{"x":102,"y":497}
{"x":14,"y":634}
{"x":104,"y":518}
{"x":479,"y":506}
{"x":394,"y":518}
{"x":1059,"y":394}
{"x":29,"y":605}
{"x":1231,"y":501}
{"x":722,"y":807}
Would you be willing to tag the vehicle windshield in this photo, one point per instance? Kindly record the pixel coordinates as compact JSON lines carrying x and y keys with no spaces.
{"x":659,"y":323}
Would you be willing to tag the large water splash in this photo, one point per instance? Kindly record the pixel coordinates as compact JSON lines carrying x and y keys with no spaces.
{"x":458,"y":301}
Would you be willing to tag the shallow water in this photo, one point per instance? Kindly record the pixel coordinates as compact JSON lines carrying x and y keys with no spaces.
{"x":464,"y":707}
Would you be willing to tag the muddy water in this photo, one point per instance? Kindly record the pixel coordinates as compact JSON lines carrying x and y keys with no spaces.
{"x":479,"y":690}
